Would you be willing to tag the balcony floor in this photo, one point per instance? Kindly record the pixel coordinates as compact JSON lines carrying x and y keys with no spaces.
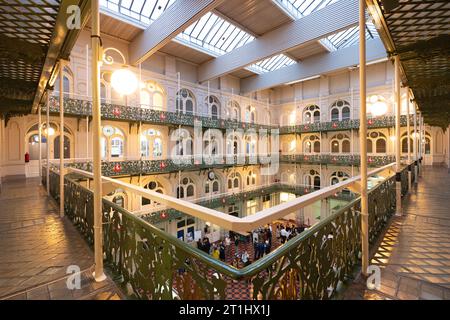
{"x":36,"y":247}
{"x":414,"y":255}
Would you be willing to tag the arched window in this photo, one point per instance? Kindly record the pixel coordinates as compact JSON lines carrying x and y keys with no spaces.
{"x":312,"y":179}
{"x":233,"y":111}
{"x":311,"y":114}
{"x":340,"y":110}
{"x":153,"y":186}
{"x":234,"y":181}
{"x":118,"y":197}
{"x":212,"y":186}
{"x":233,"y":145}
{"x":152,"y":96}
{"x":213,"y":106}
{"x":338,"y":176}
{"x":151,"y":144}
{"x":250,"y":145}
{"x":52,"y":135}
{"x":185,"y":102}
{"x":250,"y":114}
{"x":112,"y":142}
{"x":427,"y":140}
{"x":311,"y":144}
{"x":340,"y":143}
{"x":186,"y":189}
{"x":251,"y":178}
{"x":56,"y":142}
{"x":67,"y":82}
{"x":210,"y":146}
{"x":378,"y":140}
{"x":183,"y":144}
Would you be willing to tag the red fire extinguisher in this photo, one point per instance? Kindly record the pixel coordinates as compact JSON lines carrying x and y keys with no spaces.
{"x":27,"y":157}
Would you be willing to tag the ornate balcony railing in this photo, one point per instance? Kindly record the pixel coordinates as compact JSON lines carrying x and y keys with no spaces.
{"x":83,"y":108}
{"x":373,"y":123}
{"x":336,"y":159}
{"x":152,"y":264}
{"x":134,"y":167}
{"x":165,"y":214}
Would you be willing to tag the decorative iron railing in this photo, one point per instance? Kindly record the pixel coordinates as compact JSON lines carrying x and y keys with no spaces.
{"x":164,"y":214}
{"x":152,"y":264}
{"x":83,"y":108}
{"x":336,"y":159}
{"x":372,"y":123}
{"x":134,"y":167}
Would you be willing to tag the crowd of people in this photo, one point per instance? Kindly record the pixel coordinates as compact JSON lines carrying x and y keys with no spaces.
{"x":261,"y":239}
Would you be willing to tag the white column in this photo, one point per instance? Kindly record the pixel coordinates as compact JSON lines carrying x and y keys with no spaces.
{"x":420,"y":144}
{"x":48,"y":142}
{"x":96,"y":143}
{"x":408,"y":136}
{"x":40,"y":143}
{"x":398,"y":184}
{"x":362,"y":139}
{"x":61,"y":138}
{"x":415,"y":136}
{"x":87,"y":137}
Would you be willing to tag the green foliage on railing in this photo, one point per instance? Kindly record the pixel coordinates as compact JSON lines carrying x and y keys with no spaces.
{"x":155,"y":265}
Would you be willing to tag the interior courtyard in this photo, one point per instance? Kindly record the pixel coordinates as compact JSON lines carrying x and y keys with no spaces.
{"x":232,"y":150}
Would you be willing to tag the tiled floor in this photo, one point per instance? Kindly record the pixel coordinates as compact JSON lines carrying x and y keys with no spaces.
{"x":36,"y":247}
{"x":414,"y":255}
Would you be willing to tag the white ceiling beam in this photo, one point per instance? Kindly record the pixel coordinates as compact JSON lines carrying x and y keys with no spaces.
{"x":174,"y":20}
{"x":331,"y":19}
{"x":316,"y":65}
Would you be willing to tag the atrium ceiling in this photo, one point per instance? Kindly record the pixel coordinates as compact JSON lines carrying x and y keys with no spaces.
{"x":233,"y":24}
{"x":419,"y":32}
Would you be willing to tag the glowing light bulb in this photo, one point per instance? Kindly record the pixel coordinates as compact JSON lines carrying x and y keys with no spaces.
{"x":373,"y":99}
{"x":124,"y":81}
{"x":378,"y":108}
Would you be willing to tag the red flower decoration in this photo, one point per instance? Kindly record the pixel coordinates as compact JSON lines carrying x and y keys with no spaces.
{"x":116,"y":111}
{"x":306,"y":127}
{"x":117,"y":168}
{"x":334,"y":125}
{"x":162,"y":165}
{"x":162,"y":116}
{"x":243,"y":125}
{"x":369,"y":159}
{"x":370,"y":121}
{"x":163,"y":215}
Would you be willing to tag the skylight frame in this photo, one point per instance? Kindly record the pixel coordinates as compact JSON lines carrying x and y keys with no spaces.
{"x":271,"y":64}
{"x":301,"y":8}
{"x":221,"y":38}
{"x":142,"y":11}
{"x":350,"y":36}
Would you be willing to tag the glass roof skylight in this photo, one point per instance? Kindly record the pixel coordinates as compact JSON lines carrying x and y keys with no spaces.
{"x":301,"y":8}
{"x":144,"y":11}
{"x":270,"y":64}
{"x":350,"y":36}
{"x":215,"y":35}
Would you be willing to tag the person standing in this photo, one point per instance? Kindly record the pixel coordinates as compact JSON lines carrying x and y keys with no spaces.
{"x":245,"y":258}
{"x":222,"y":251}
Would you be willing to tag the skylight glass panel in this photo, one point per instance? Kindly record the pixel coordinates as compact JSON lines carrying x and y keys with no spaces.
{"x":214,"y":35}
{"x":350,"y":36}
{"x":144,"y":11}
{"x":301,"y":8}
{"x":270,"y":64}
